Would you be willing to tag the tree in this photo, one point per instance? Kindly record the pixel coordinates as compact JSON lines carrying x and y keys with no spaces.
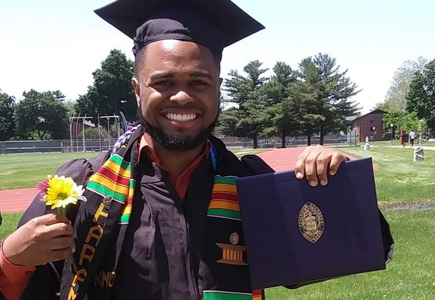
{"x":7,"y":106}
{"x":111,"y":91}
{"x":399,"y":89}
{"x":70,"y":106}
{"x":284,"y":108}
{"x":40,"y":116}
{"x":59,"y":96}
{"x":250,"y":119}
{"x":400,"y":119}
{"x":421,"y":96}
{"x":323,"y":93}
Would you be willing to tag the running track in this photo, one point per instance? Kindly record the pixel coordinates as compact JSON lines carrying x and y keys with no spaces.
{"x":19,"y":200}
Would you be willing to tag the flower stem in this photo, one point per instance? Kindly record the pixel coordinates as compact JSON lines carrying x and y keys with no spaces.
{"x":69,"y":260}
{"x":61,"y":211}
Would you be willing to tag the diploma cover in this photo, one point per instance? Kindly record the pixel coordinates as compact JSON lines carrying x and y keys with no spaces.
{"x":296,"y":233}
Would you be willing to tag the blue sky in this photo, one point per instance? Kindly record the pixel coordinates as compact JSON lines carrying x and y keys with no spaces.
{"x":57,"y":44}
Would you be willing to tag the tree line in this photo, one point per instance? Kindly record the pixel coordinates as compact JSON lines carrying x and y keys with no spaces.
{"x":45,"y":115}
{"x":314,"y":98}
{"x":410,"y":101}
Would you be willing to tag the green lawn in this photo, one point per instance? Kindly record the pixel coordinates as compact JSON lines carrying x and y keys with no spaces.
{"x":398,"y":178}
{"x":10,"y":221}
{"x":25,"y":170}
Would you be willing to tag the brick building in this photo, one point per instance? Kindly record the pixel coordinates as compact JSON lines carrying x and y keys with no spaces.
{"x":370,"y":125}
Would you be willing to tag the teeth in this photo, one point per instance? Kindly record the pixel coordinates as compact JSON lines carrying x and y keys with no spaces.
{"x":181,"y":117}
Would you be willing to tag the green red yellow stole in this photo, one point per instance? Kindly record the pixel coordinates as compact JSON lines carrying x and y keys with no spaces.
{"x":114,"y":180}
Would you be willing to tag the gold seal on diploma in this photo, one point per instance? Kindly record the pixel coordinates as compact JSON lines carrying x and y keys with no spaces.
{"x":311,"y":223}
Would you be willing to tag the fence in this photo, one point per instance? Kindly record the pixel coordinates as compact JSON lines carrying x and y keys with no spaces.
{"x":15,"y":147}
{"x":329,"y":140}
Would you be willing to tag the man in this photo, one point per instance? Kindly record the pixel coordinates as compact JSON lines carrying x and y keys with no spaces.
{"x":149,"y":229}
{"x":412,"y":137}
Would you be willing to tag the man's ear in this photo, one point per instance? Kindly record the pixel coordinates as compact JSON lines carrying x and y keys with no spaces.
{"x":136,"y":86}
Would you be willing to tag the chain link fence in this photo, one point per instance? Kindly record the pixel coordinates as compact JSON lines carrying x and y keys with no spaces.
{"x":88,"y":145}
{"x":15,"y":147}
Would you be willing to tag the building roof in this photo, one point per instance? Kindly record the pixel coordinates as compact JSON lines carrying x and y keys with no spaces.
{"x":375,"y":112}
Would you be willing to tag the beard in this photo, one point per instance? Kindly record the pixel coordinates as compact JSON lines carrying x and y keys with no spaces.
{"x":173,"y":143}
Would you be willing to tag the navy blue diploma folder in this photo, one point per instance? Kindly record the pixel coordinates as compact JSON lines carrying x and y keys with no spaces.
{"x":296,"y":233}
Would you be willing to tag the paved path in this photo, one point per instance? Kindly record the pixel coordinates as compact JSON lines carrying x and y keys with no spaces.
{"x":19,"y":200}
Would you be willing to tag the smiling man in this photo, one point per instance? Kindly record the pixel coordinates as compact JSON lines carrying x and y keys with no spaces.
{"x":177,"y":86}
{"x":162,"y":218}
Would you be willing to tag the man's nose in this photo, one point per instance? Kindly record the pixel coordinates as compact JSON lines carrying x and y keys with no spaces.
{"x":181,"y":97}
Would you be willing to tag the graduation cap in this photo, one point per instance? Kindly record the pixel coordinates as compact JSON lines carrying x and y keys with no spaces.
{"x":214,"y":24}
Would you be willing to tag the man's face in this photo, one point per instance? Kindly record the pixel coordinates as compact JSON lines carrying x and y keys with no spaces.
{"x":177,"y":92}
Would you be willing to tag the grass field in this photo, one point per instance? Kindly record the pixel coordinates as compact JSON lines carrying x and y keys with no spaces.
{"x":398,"y":178}
{"x":25,"y":170}
{"x":399,"y":181}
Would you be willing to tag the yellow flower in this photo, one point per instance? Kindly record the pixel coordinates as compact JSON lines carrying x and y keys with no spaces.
{"x":62,"y":191}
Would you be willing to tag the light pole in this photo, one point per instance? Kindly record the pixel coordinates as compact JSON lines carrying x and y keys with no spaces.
{"x":374,"y":134}
{"x":391,"y":133}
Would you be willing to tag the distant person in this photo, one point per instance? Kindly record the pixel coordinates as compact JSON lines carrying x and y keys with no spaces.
{"x":404,"y":138}
{"x":412,"y":137}
{"x":421,"y":137}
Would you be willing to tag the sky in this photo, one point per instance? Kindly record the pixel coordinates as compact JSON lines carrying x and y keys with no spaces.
{"x":57,"y":44}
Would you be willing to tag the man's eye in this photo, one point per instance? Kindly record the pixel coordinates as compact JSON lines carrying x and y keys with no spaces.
{"x":163,"y":83}
{"x":199,"y":83}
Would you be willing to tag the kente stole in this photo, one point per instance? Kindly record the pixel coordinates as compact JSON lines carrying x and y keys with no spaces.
{"x":114,"y":180}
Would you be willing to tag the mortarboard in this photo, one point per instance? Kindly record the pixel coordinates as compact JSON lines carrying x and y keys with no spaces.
{"x":214,"y":24}
{"x":296,"y":234}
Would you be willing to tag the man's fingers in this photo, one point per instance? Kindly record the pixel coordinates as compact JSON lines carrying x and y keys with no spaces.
{"x":322,"y":166}
{"x":336,"y":159}
{"x":54,"y":218}
{"x":54,"y":255}
{"x":60,"y":243}
{"x":48,"y":219}
{"x":300,"y":163}
{"x":311,"y":168}
{"x":59,"y":229}
{"x":313,"y":164}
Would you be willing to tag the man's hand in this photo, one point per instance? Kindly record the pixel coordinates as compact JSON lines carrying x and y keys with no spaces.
{"x":314,"y":162}
{"x":42,"y":240}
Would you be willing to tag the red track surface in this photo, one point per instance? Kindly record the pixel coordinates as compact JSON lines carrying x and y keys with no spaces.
{"x":16,"y":200}
{"x":19,"y":200}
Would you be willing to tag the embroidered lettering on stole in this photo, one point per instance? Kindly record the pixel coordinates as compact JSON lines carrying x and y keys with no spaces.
{"x":92,"y":240}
